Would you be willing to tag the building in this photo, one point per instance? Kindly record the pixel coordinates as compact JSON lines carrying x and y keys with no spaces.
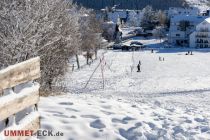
{"x":181,"y":27}
{"x":175,"y":11}
{"x":200,"y":38}
{"x":205,"y":13}
{"x":120,"y":16}
{"x":115,"y":15}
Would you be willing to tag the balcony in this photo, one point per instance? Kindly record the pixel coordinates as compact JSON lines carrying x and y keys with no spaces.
{"x":202,"y":41}
{"x":202,"y":46}
{"x":202,"y":36}
{"x":203,"y":30}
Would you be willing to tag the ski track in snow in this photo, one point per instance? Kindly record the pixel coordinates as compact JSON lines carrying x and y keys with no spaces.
{"x":168,"y":100}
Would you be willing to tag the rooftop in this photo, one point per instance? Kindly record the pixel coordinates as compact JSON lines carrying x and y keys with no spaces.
{"x":188,"y":18}
{"x":207,"y":19}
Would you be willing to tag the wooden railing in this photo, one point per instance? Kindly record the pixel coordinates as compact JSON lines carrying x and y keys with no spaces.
{"x":19,"y":98}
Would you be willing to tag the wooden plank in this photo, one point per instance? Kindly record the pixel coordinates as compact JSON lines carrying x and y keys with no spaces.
{"x":14,"y":103}
{"x":20,"y":73}
{"x":30,"y":122}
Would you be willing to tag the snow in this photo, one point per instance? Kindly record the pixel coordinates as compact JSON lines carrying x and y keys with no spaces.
{"x":207,"y":20}
{"x":201,"y":4}
{"x":168,"y":100}
{"x":126,"y":31}
{"x":89,"y":117}
{"x":21,"y":90}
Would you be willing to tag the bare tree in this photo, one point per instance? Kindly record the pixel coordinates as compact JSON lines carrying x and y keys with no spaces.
{"x":159,"y":32}
{"x":90,"y":30}
{"x":42,"y":28}
{"x":51,"y":29}
{"x":162,"y":18}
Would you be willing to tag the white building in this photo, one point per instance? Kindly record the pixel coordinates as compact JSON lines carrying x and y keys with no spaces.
{"x":200,"y":38}
{"x":123,"y":16}
{"x":117,"y":14}
{"x":181,"y":27}
{"x":174,"y":11}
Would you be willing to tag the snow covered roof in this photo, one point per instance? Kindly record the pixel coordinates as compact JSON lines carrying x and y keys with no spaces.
{"x":196,"y":19}
{"x":116,"y":14}
{"x":109,"y":22}
{"x":186,"y":8}
{"x":207,"y":20}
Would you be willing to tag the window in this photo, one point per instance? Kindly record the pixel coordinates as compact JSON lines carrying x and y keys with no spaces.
{"x":177,"y":34}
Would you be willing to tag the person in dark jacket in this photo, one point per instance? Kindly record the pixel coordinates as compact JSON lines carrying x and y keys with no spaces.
{"x":139,"y":67}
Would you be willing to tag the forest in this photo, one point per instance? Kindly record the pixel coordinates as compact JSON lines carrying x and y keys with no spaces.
{"x":132,"y":4}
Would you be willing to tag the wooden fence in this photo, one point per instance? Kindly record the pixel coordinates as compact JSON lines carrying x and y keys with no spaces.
{"x":19,"y":98}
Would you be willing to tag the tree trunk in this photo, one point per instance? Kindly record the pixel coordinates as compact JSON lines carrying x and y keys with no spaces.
{"x":87,"y":59}
{"x":50,"y":84}
{"x":77,"y":59}
{"x":96,"y":54}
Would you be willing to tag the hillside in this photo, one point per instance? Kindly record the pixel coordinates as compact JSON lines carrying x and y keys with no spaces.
{"x":201,"y":4}
{"x":131,"y":4}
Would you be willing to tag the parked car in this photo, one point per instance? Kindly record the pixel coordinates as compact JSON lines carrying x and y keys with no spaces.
{"x":117,"y":47}
{"x":138,"y":30}
{"x":135,"y":45}
{"x":143,"y":34}
{"x":126,"y":47}
{"x":131,"y":32}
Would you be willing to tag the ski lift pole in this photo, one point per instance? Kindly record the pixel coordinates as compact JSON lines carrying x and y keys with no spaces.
{"x":92,"y":75}
{"x":102,"y":71}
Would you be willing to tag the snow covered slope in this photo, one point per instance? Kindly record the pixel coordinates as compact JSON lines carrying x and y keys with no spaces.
{"x":201,"y":4}
{"x":87,"y":117}
{"x":168,"y":100}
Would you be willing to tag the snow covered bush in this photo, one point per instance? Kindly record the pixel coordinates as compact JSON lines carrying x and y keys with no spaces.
{"x":134,"y":18}
{"x":46,"y":28}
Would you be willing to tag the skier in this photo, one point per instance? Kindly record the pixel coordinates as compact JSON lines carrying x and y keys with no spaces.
{"x":139,"y":67}
{"x":191,"y":53}
{"x":160,"y":59}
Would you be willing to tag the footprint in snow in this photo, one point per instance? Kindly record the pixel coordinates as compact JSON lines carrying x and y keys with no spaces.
{"x":188,"y":121}
{"x":204,"y":129}
{"x":170,"y":109}
{"x":151,"y":125}
{"x":141,"y":113}
{"x":47,"y":127}
{"x":151,"y":136}
{"x":102,"y":102}
{"x":138,"y":124}
{"x":107,"y":112}
{"x":61,"y":116}
{"x":177,"y":130}
{"x":90,"y":116}
{"x":106,"y":106}
{"x":200,"y":120}
{"x":97,"y":124}
{"x":134,"y":106}
{"x":55,"y":112}
{"x":66,"y":103}
{"x":73,"y":117}
{"x":116,"y":120}
{"x":132,"y":133}
{"x":71,"y":109}
{"x":125,"y":120}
